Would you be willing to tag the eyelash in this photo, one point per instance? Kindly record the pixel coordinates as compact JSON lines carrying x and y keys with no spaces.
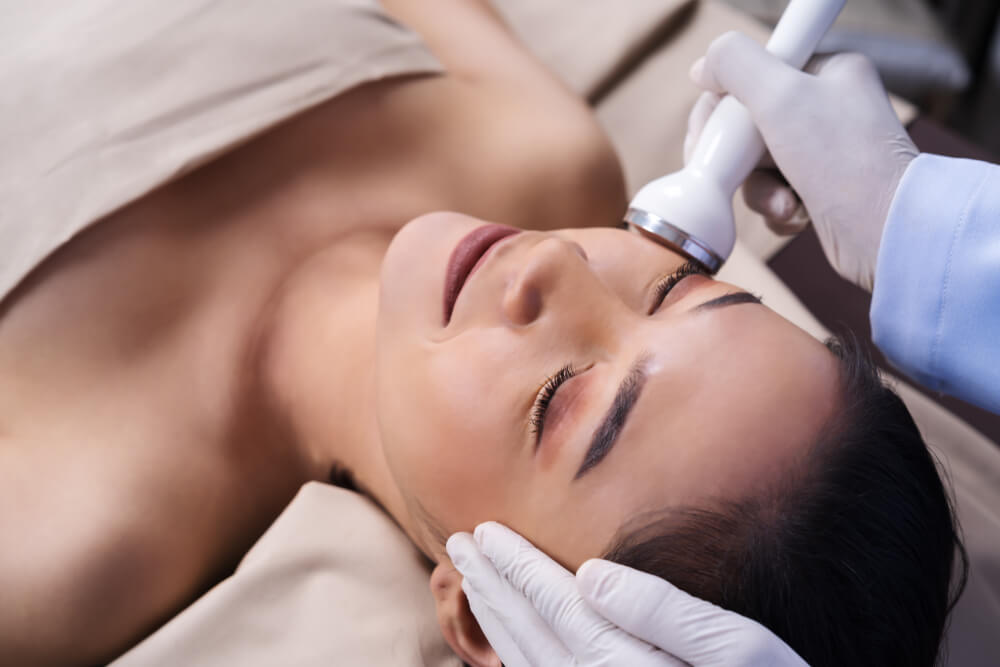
{"x":669,"y":281}
{"x":544,"y":397}
{"x":552,"y":384}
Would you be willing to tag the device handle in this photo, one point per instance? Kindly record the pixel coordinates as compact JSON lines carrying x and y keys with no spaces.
{"x":730,"y":146}
{"x":800,"y":29}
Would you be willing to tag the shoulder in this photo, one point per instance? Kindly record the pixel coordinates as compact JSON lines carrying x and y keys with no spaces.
{"x":541,"y":154}
{"x":530,"y":155}
{"x":510,"y":136}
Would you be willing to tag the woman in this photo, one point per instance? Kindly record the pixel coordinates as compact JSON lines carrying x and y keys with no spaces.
{"x":176,"y":372}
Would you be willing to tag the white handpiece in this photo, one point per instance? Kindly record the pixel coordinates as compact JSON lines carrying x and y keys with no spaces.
{"x":692,"y":210}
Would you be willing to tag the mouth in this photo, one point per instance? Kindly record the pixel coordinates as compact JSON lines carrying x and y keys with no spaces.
{"x":468,"y":256}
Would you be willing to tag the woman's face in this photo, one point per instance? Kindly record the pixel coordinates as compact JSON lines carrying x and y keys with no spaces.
{"x":704,"y":396}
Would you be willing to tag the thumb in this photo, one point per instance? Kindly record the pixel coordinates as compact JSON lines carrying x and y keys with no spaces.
{"x":766,"y":193}
{"x":737,"y":65}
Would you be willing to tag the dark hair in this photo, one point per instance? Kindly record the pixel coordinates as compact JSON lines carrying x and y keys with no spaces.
{"x":848,"y":558}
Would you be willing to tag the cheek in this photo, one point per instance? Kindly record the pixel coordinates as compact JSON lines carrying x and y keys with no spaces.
{"x":619,"y":257}
{"x":448,"y":432}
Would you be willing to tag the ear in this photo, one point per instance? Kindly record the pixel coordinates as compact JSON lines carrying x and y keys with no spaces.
{"x":458,"y":625}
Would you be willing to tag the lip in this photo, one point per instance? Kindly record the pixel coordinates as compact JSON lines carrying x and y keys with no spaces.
{"x":468,"y":256}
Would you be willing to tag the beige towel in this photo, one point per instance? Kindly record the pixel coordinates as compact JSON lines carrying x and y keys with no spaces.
{"x":110,"y":99}
{"x":332,"y":582}
{"x":592,"y":44}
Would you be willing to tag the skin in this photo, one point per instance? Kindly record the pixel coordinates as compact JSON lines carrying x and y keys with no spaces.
{"x":453,"y":404}
{"x":438,"y":414}
{"x":144,"y":442}
{"x":170,"y":377}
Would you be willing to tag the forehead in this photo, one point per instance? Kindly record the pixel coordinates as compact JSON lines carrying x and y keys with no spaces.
{"x":735,"y":397}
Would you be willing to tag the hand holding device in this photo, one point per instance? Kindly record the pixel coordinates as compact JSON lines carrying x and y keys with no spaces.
{"x":832,"y":133}
{"x":691,"y":211}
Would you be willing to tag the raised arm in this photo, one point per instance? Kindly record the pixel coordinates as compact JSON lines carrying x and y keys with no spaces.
{"x":502,"y":117}
{"x":473,"y":42}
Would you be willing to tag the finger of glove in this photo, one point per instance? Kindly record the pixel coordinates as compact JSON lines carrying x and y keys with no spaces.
{"x":700,"y":113}
{"x":796,"y":224}
{"x":855,"y":68}
{"x":766,"y":192}
{"x":588,"y":636}
{"x":549,"y":587}
{"x":817,"y":64}
{"x":690,"y":629}
{"x":519,"y":637}
{"x":503,"y":644}
{"x":737,"y":65}
{"x":510,"y":622}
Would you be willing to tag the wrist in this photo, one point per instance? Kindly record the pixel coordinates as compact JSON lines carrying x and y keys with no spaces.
{"x":894,"y":209}
{"x":871,"y":231}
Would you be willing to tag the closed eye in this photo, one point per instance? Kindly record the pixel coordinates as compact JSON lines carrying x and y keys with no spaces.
{"x":544,"y":397}
{"x":666,"y":283}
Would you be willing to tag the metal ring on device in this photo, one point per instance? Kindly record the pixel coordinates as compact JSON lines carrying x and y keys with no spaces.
{"x":677,"y":239}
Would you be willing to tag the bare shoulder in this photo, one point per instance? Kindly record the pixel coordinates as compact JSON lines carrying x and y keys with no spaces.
{"x":497,"y":135}
{"x":519,"y":126}
{"x":531,"y":156}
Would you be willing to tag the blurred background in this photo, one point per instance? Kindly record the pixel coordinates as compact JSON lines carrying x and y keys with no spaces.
{"x":943,"y":55}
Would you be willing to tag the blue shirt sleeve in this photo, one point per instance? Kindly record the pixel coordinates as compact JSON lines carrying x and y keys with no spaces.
{"x":936,"y":303}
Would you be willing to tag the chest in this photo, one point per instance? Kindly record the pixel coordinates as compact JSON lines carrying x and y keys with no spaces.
{"x":126,"y":445}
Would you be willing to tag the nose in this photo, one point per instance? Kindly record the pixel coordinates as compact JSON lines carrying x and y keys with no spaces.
{"x":546,"y":264}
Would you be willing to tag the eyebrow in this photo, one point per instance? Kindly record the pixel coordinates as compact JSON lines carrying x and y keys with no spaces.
{"x":614,"y":420}
{"x":631,"y":388}
{"x":731,"y":299}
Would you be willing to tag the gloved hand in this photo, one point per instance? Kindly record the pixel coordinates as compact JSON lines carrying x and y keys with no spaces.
{"x":536,"y":613}
{"x":832,"y":133}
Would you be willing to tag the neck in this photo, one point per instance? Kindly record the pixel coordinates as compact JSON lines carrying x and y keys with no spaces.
{"x":318,"y":368}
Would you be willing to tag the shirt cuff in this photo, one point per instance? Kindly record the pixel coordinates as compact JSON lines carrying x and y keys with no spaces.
{"x":916,"y":259}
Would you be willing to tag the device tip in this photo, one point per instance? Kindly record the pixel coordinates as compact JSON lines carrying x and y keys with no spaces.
{"x":673,"y":238}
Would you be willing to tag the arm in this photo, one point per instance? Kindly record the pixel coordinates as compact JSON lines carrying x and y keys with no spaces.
{"x":936,"y":303}
{"x":523,"y":148}
{"x":473,"y":43}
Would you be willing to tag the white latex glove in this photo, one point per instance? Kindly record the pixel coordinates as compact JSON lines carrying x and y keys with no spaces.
{"x":536,"y":613}
{"x":832,"y":133}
